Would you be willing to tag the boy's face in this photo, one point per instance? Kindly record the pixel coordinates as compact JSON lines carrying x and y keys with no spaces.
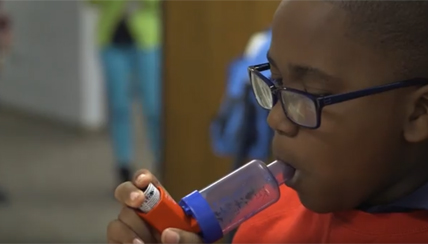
{"x":358,"y":152}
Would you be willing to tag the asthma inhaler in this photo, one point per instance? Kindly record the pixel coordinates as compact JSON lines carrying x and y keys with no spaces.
{"x":220,"y":207}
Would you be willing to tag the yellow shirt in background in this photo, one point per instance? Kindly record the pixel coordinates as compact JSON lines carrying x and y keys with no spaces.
{"x":144,"y":21}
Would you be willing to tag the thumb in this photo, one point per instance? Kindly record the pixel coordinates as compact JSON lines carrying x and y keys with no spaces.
{"x":174,"y":236}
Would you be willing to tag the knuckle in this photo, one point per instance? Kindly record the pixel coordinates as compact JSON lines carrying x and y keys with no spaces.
{"x":112,"y":228}
{"x":140,"y":172}
{"x":116,"y":193}
{"x":119,"y":190}
{"x":149,"y":177}
{"x":125,"y":214}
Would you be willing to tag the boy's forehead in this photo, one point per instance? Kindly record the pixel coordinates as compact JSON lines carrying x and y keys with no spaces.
{"x":312,"y":22}
{"x":314,"y":34}
{"x":314,"y":10}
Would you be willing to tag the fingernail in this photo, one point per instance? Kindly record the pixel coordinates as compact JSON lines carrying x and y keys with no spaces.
{"x":140,"y":179}
{"x":137,"y":241}
{"x":135,"y":195}
{"x":170,"y":236}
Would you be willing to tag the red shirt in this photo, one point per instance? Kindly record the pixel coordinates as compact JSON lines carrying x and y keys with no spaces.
{"x":288,"y":221}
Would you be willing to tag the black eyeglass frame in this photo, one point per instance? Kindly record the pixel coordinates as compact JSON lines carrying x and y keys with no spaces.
{"x":322,"y":101}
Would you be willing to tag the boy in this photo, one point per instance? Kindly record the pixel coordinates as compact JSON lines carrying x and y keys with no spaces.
{"x":360,"y":158}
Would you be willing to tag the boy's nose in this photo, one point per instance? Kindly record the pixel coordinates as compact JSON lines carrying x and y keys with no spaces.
{"x":280,"y":123}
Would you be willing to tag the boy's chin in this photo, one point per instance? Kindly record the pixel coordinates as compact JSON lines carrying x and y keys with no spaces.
{"x":323,"y":206}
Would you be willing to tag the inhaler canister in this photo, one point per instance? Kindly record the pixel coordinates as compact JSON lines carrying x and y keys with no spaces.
{"x":220,"y":207}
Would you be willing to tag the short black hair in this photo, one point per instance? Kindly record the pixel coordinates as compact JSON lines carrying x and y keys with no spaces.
{"x":397,"y":28}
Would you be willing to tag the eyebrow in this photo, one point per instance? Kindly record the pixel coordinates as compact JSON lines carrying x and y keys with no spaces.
{"x":270,"y":59}
{"x":303,"y":71}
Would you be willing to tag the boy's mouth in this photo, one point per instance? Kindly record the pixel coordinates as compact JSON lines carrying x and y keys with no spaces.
{"x":290,"y":174}
{"x":282,"y":160}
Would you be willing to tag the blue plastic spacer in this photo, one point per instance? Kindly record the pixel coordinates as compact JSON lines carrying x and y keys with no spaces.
{"x":196,"y":206}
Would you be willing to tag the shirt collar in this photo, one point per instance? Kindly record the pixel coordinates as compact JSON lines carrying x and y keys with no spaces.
{"x":418,"y":200}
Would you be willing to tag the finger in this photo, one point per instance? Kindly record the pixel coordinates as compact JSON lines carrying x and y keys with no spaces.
{"x":143,"y":178}
{"x":130,"y":218}
{"x":118,"y":232}
{"x":179,"y":236}
{"x":129,"y":195}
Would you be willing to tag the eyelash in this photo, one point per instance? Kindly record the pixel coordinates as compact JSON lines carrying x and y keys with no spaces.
{"x":278,"y":82}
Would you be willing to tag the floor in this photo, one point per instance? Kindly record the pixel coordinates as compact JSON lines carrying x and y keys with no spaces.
{"x":60,"y":182}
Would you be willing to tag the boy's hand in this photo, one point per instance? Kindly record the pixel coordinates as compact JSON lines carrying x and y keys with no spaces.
{"x":130,"y":228}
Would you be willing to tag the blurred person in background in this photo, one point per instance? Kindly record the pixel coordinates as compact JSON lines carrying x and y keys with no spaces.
{"x":5,"y":35}
{"x":5,"y":44}
{"x":129,"y":39}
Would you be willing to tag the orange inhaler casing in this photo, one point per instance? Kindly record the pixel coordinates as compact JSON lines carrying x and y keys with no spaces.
{"x":166,"y":213}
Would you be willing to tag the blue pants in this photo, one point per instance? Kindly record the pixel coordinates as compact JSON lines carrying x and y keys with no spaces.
{"x":123,"y":64}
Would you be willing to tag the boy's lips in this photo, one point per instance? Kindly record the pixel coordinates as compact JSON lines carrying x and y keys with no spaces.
{"x":286,"y":158}
{"x":291,"y":173}
{"x":285,"y":161}
{"x":280,"y":154}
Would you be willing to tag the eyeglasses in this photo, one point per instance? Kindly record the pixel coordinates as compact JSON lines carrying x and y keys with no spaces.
{"x":302,"y":108}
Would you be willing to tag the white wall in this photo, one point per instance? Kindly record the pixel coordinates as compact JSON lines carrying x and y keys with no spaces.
{"x":53,"y":68}
{"x":92,"y":90}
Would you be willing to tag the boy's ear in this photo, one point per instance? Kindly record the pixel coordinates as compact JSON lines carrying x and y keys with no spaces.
{"x":416,"y":128}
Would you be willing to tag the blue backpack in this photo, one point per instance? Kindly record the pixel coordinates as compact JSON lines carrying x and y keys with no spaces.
{"x":240,"y":129}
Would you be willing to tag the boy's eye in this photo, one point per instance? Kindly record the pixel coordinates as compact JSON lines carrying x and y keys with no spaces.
{"x":323,"y":94}
{"x":318,"y":93}
{"x":277,"y":82}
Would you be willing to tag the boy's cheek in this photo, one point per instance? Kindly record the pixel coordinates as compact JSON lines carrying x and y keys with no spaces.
{"x":340,"y":179}
{"x":361,"y":122}
{"x":346,"y":154}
